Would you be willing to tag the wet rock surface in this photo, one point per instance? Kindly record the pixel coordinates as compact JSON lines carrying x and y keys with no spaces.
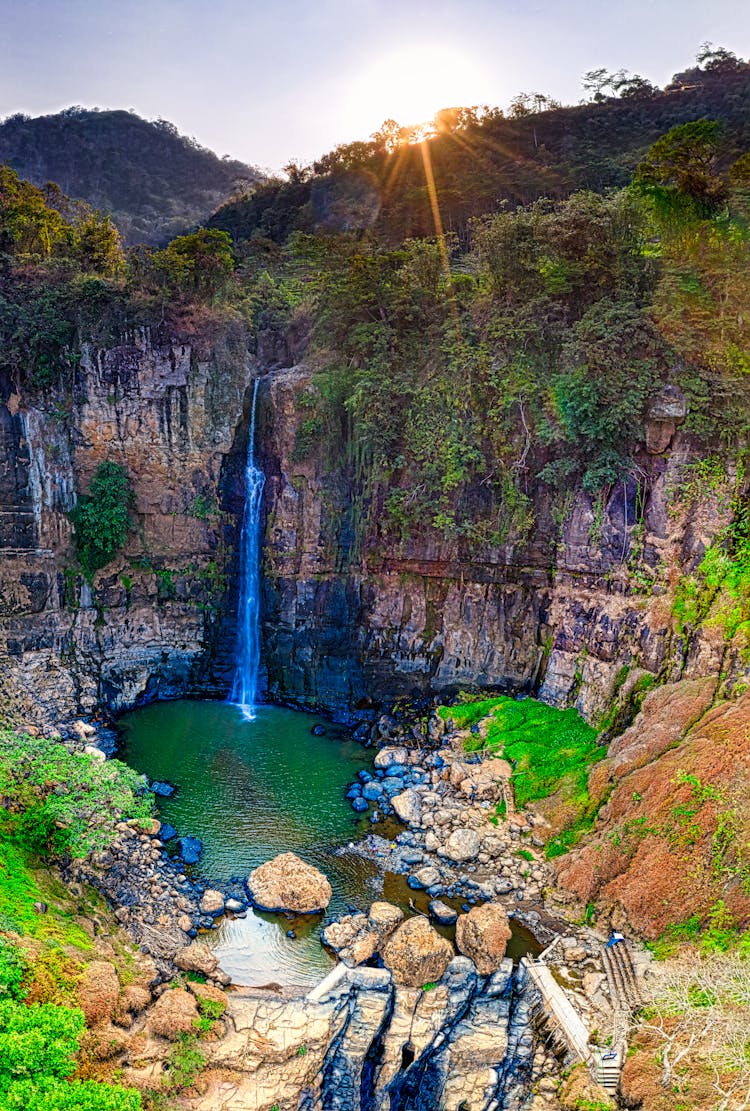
{"x":372,"y":1044}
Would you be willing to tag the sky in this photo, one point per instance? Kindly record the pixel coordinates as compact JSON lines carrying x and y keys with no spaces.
{"x":286,"y":80}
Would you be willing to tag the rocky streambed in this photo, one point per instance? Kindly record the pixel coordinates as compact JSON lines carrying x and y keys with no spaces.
{"x":425,"y":1008}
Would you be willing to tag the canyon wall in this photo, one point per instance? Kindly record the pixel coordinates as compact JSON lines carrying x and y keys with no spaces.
{"x":588,"y":593}
{"x":169,"y":411}
{"x":564,"y":614}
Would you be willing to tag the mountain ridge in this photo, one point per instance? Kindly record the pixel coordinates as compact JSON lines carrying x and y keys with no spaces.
{"x":153,"y":181}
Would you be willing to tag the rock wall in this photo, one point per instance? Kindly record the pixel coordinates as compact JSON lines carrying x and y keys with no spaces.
{"x":561,"y":615}
{"x":172,"y":412}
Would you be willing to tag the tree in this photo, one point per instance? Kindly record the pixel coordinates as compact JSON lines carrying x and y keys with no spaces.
{"x":27,"y":225}
{"x":98,"y":245}
{"x":595,"y":81}
{"x":633,"y":86}
{"x":716,"y":59}
{"x":199,"y":263}
{"x":683,"y":165}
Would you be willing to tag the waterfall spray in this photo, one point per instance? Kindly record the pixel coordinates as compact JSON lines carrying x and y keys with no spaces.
{"x":245,"y":685}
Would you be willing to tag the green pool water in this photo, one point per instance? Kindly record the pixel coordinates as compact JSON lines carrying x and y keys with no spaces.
{"x":250,"y":790}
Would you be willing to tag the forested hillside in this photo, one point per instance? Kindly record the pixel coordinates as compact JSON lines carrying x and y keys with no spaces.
{"x":152,"y":181}
{"x":480,"y":158}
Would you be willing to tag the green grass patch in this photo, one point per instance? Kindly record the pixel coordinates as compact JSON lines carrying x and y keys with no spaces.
{"x":67,"y":802}
{"x":550,"y":750}
{"x":22,"y":883}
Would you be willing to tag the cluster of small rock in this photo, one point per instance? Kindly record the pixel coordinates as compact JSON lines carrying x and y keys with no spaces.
{"x":413,"y":951}
{"x":452,"y":847}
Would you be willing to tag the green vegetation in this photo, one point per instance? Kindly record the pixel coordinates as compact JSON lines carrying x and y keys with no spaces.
{"x":718,"y":591}
{"x":39,"y":1037}
{"x":64,"y":802}
{"x":551,"y":752}
{"x":102,"y":517}
{"x":452,"y":371}
{"x":38,"y":1045}
{"x":185,"y":1063}
{"x":153,"y":181}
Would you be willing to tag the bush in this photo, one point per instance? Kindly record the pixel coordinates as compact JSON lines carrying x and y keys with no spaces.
{"x":38,"y":1046}
{"x":102,"y":517}
{"x":68,"y":802}
{"x":12,"y":970}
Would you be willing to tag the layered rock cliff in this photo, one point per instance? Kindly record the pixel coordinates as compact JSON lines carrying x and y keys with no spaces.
{"x":349,"y":620}
{"x":170,"y":410}
{"x":588,"y":594}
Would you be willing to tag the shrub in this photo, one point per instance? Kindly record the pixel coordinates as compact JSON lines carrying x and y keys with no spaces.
{"x":12,"y":970}
{"x":102,"y":517}
{"x":38,"y":1045}
{"x":67,"y":802}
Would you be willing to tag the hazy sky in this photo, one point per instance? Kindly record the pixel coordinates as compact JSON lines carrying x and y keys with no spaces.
{"x":273,"y":81}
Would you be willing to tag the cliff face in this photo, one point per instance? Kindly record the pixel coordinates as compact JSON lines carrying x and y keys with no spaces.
{"x":562,"y":615}
{"x":168,"y":411}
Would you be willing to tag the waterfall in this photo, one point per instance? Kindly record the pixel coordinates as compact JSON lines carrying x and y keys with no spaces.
{"x":245,"y":685}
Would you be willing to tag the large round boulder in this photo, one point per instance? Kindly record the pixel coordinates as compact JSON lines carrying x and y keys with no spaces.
{"x":462,"y":845}
{"x":287,"y":883}
{"x":416,"y":954}
{"x":483,"y":935}
{"x":196,"y":958}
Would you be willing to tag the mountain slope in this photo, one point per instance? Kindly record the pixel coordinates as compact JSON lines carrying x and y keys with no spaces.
{"x":479,"y":162}
{"x":154,"y":182}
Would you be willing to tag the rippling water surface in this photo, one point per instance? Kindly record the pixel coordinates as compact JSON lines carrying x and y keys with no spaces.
{"x":250,"y":790}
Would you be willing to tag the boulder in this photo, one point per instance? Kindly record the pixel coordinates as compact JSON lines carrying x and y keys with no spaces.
{"x":190,"y":849}
{"x":162,"y":788}
{"x":416,"y":954}
{"x":442,"y":913}
{"x":196,"y":958}
{"x":384,"y":918}
{"x":483,"y":935}
{"x":212,"y":902}
{"x":82,"y":729}
{"x":98,"y":990}
{"x":173,"y":1014}
{"x":424,"y":877}
{"x":357,"y":937}
{"x":339,"y":935}
{"x":462,"y":845}
{"x":388,"y":756}
{"x":288,"y":883}
{"x":408,"y":806}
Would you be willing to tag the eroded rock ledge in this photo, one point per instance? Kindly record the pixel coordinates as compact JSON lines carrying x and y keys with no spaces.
{"x":361,"y":1043}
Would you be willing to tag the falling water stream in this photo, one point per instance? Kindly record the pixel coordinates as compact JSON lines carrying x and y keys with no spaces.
{"x":245,"y":685}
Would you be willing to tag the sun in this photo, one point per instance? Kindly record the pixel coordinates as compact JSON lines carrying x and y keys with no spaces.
{"x":412,"y":83}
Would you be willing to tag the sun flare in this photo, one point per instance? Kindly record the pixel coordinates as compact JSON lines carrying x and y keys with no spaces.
{"x":412,"y":83}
